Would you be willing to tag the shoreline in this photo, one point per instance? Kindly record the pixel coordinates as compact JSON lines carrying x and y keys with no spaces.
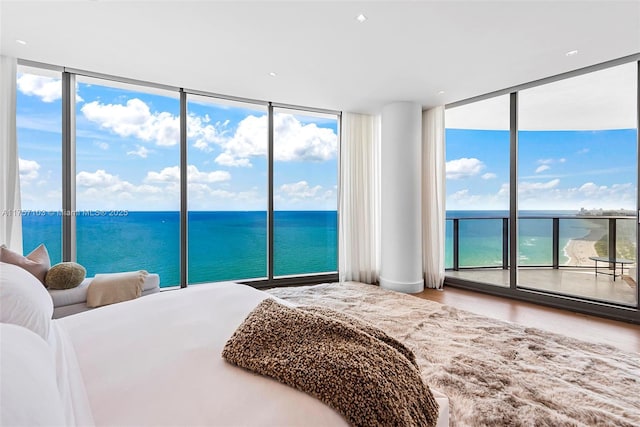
{"x":579,"y":250}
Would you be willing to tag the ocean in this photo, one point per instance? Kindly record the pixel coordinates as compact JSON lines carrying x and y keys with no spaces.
{"x":480,"y":236}
{"x":222,"y":245}
{"x":233,"y":245}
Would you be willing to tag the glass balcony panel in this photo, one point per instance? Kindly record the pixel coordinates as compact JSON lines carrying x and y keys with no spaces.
{"x":535,"y":242}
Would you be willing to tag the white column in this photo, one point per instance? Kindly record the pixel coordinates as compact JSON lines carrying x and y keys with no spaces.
{"x":401,"y":212}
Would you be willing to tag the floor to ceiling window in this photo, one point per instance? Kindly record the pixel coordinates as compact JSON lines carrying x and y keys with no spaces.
{"x":39,"y":134}
{"x":577,"y":172}
{"x":127,"y":179}
{"x":227,"y":190}
{"x":305,"y":180}
{"x":477,"y":171}
{"x":138,"y":162}
{"x":575,"y":168}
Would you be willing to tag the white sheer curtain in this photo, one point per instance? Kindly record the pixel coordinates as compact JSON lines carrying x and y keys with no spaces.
{"x":10,"y":221}
{"x":359,"y":200}
{"x":433,"y":196}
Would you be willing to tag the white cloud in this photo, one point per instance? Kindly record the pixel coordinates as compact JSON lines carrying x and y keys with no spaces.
{"x":464,"y":168}
{"x":298,"y":142}
{"x":102,"y":190}
{"x":300,"y":190}
{"x":294,"y":141}
{"x":226,"y":159}
{"x":200,"y":129}
{"x":48,"y":89}
{"x":141,"y":151}
{"x":194,"y":176}
{"x":545,"y":164}
{"x":489,"y":175}
{"x":464,"y":199}
{"x":135,"y":119}
{"x":583,"y":151}
{"x":28,"y":169}
{"x":542,"y":168}
{"x":526,"y":187}
{"x":99,"y":178}
{"x":548,"y":195}
{"x":101,"y":145}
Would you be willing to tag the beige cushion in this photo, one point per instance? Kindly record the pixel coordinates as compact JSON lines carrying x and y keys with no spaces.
{"x":36,"y":263}
{"x":65,"y":275}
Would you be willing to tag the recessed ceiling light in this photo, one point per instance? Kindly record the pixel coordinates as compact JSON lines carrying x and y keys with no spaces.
{"x":272,"y":74}
{"x":22,"y":42}
{"x":571,"y":53}
{"x":361,"y":18}
{"x":441,"y":92}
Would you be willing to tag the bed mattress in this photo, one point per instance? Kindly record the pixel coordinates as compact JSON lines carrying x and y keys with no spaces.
{"x":158,"y":362}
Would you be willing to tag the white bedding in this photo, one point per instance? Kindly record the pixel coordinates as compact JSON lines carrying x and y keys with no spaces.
{"x":156,"y":361}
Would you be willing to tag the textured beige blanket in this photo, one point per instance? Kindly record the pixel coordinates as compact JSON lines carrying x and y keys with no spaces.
{"x":111,"y":288}
{"x":355,"y":368}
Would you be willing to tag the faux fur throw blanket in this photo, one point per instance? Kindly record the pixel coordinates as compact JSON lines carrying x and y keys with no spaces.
{"x":364,"y":374}
{"x":111,"y":288}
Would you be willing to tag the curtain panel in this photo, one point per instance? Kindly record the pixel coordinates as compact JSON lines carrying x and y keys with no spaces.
{"x":10,"y":218}
{"x":359,"y":198}
{"x":433,"y":196}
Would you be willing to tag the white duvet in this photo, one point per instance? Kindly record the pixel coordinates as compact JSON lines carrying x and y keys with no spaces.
{"x":156,"y":361}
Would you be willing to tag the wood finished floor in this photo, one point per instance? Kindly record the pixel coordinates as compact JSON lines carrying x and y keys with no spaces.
{"x":625,"y":336}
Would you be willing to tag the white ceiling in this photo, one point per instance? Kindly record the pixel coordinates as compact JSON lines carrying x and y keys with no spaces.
{"x":323,"y":57}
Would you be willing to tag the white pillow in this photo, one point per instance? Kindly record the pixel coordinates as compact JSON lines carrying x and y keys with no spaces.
{"x":29,"y":393}
{"x":24,"y":301}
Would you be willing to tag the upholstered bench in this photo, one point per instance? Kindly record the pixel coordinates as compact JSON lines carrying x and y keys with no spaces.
{"x":74,"y":300}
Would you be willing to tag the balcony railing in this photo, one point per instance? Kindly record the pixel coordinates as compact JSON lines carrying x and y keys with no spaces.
{"x":619,"y":231}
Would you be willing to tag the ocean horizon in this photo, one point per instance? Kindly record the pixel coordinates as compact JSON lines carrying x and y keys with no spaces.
{"x":222,"y":245}
{"x":480,"y":235}
{"x":232,"y":245}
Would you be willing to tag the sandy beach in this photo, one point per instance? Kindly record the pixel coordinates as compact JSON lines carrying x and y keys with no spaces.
{"x":579,"y":250}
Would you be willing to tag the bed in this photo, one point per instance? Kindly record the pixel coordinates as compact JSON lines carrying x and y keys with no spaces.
{"x":151,"y":361}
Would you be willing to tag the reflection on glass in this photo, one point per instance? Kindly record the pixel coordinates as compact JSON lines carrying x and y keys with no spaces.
{"x":39,"y":136}
{"x":305,"y":193}
{"x":227,"y":190}
{"x":127,"y":182}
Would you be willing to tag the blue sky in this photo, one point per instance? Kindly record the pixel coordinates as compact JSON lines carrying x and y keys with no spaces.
{"x":578,"y":149}
{"x":557,"y":170}
{"x":127,"y":153}
{"x":576,"y":146}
